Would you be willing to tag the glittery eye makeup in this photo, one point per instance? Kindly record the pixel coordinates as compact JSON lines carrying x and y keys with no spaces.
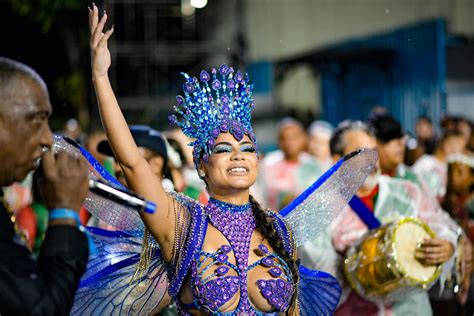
{"x":222,"y":148}
{"x":227,"y":148}
{"x":247,"y":148}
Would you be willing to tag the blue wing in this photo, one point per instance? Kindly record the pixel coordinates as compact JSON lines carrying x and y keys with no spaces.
{"x":112,"y":213}
{"x":319,"y":292}
{"x":110,"y":286}
{"x":318,"y":205}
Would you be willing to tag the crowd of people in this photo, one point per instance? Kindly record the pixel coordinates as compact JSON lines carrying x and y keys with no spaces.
{"x":211,"y":231}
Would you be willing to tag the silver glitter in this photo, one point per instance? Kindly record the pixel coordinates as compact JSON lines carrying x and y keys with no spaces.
{"x":322,"y":206}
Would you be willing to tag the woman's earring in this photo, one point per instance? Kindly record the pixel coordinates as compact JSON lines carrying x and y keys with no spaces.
{"x":202,"y":175}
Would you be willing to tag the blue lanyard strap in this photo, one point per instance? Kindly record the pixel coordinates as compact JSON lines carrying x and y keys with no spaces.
{"x":364,"y":213}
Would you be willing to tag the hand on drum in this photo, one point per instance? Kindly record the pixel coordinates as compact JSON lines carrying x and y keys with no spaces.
{"x":434,"y":251}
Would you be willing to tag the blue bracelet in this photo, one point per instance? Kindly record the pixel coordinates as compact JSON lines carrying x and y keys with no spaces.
{"x":63,"y":213}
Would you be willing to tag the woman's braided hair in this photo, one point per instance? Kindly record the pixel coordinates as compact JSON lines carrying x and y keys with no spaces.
{"x":266,"y":226}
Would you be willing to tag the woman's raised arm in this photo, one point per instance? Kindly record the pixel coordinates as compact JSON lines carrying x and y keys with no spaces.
{"x":138,"y":173}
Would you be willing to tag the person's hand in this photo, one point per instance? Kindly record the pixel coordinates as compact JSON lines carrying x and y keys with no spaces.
{"x":65,"y":182}
{"x":466,"y":267}
{"x":100,"y":55}
{"x":434,"y":251}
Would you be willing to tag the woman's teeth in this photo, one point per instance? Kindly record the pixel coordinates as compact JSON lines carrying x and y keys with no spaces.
{"x":238,"y":170}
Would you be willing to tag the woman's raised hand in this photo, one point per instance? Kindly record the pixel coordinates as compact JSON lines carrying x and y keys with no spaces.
{"x":100,"y":55}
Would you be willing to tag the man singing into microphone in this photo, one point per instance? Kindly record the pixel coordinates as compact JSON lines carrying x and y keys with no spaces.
{"x":45,"y":286}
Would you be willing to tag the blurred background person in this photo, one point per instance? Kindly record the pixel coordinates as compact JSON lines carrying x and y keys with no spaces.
{"x":286,"y":173}
{"x":433,"y":169}
{"x":380,"y":195}
{"x":318,"y":146}
{"x":425,"y":134}
{"x":185,"y":175}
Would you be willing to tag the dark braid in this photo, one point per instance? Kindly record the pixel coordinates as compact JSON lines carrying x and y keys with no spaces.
{"x":266,"y":226}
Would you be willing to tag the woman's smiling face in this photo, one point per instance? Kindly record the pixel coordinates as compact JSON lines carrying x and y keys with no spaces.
{"x":232,"y":165}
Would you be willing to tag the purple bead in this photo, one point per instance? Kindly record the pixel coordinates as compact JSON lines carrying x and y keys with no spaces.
{"x":267,"y":293}
{"x":225,"y":99}
{"x":205,"y":77}
{"x":239,"y":77}
{"x":222,"y":258}
{"x":263,"y":248}
{"x":225,"y":109}
{"x":222,"y":270}
{"x":188,"y":87}
{"x":224,"y":127}
{"x":268,"y":262}
{"x":215,"y":133}
{"x":281,"y":284}
{"x":231,"y":84}
{"x":224,"y":69}
{"x":261,"y":283}
{"x":216,"y":84}
{"x":276,"y":272}
{"x":225,"y":248}
{"x":214,"y":71}
{"x":210,"y":142}
{"x":172,"y":119}
{"x":180,"y":99}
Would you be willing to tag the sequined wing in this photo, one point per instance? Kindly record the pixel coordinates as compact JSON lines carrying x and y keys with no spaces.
{"x":319,"y":292}
{"x":111,"y":285}
{"x":311,"y":212}
{"x":112,"y":213}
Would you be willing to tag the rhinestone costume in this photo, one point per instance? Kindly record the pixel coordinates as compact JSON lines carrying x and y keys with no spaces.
{"x":237,"y":224}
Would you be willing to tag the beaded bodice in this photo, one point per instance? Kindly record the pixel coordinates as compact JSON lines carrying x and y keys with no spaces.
{"x":216,"y":280}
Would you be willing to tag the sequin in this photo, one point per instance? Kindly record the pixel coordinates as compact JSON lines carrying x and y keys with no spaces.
{"x":207,"y":110}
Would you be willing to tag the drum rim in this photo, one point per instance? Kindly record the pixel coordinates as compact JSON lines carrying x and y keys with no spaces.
{"x":411,"y":282}
{"x":414,"y":281}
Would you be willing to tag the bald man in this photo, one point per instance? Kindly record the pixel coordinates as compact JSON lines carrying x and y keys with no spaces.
{"x":45,"y":286}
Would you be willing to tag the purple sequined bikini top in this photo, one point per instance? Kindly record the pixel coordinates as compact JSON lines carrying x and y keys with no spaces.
{"x":236,"y":223}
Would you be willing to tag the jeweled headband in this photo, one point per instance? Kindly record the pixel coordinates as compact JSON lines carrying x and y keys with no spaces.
{"x":217,"y":103}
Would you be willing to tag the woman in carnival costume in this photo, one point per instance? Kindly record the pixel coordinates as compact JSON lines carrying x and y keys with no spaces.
{"x":229,"y":257}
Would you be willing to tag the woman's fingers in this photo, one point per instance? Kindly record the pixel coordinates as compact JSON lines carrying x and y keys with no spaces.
{"x":93,"y":18}
{"x":97,"y":27}
{"x":101,"y":24}
{"x":105,"y":38}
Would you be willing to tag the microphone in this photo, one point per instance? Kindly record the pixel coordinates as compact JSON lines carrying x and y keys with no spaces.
{"x":123,"y":197}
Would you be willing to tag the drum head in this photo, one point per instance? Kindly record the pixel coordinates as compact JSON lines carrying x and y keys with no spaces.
{"x":408,"y":234}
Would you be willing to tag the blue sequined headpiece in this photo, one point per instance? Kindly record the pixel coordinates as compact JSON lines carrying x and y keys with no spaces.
{"x":218,"y":103}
